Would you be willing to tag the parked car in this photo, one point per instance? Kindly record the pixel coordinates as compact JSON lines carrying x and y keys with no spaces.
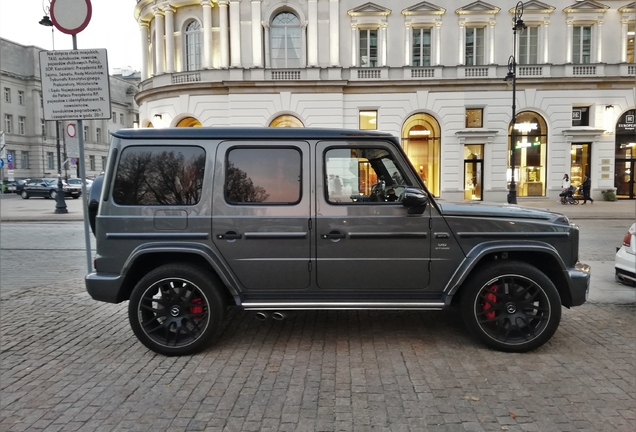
{"x":78,"y":182}
{"x":16,"y":186}
{"x":192,"y":221}
{"x":47,"y":188}
{"x":625,"y":261}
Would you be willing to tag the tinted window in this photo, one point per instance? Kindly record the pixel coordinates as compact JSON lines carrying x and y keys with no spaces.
{"x":263,"y":175}
{"x":159,"y":176}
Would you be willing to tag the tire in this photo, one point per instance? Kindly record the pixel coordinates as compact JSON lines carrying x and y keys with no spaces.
{"x":177,"y":309}
{"x":24,"y":195}
{"x":511,"y":306}
{"x":53,"y":194}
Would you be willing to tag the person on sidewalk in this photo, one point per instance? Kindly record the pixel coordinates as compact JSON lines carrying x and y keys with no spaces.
{"x":587,"y":185}
{"x":566,"y":189}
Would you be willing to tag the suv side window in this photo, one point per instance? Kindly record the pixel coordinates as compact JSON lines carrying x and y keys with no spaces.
{"x":263,"y":175}
{"x":159,"y":175}
{"x":361,"y":175}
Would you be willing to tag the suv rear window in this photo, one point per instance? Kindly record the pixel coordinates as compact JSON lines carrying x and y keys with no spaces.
{"x":159,"y":175}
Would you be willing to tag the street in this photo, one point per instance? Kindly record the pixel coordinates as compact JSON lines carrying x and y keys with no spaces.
{"x":71,"y":363}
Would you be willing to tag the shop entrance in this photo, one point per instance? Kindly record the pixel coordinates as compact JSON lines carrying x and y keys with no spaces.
{"x":625,"y":156}
{"x":421,"y":142}
{"x":580,"y":163}
{"x":473,"y":172}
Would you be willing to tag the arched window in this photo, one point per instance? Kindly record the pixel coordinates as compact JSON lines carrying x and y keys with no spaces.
{"x":285,"y":38}
{"x":286,"y":120}
{"x":193,"y":46}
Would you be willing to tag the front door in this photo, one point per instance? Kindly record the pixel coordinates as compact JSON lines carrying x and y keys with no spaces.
{"x":365,"y":240}
{"x":261,"y":213}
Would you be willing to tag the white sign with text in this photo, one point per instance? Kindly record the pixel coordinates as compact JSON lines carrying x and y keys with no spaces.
{"x":75,"y":84}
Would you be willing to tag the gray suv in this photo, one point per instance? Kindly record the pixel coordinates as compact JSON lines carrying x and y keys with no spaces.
{"x":192,"y":221}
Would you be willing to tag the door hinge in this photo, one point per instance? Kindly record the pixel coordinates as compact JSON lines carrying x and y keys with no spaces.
{"x":430,"y":223}
{"x":309,"y":224}
{"x":309,"y":267}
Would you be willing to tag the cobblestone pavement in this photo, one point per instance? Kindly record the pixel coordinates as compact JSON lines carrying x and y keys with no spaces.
{"x":69,"y":363}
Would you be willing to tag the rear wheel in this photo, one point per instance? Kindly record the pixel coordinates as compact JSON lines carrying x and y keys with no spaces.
{"x":511,"y":306}
{"x":53,"y":194}
{"x":176,"y":309}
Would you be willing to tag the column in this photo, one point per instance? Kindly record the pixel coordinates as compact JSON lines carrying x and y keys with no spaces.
{"x":354,"y":40}
{"x":460,"y":49}
{"x":438,"y":43}
{"x":268,"y":54}
{"x":257,"y":35}
{"x":159,"y":55}
{"x":546,"y":45}
{"x":408,"y":34}
{"x":143,"y":29}
{"x":491,"y":42}
{"x":312,"y":33}
{"x":206,"y":5}
{"x":599,"y":42}
{"x":169,"y":18}
{"x":568,"y":41}
{"x":623,"y":41}
{"x":334,"y":34}
{"x":235,"y":33}
{"x":223,"y":34}
{"x":303,"y":42}
{"x":383,"y":46}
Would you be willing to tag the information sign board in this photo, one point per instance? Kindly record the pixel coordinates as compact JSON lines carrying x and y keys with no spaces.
{"x":72,"y":140}
{"x":75,"y":84}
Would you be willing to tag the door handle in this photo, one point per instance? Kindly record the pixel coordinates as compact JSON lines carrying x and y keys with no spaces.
{"x":230,"y":235}
{"x":334,"y":235}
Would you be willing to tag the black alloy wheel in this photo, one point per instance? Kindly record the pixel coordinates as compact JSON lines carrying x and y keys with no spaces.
{"x":176,"y":310}
{"x":512,"y":307}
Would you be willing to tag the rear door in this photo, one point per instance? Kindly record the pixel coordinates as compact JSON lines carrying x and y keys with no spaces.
{"x":261,"y":213}
{"x":366,"y":241}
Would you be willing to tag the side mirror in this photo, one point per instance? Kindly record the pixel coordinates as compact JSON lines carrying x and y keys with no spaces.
{"x":415,"y":199}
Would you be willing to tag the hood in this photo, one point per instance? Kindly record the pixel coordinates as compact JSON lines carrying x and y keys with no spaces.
{"x":485,"y":209}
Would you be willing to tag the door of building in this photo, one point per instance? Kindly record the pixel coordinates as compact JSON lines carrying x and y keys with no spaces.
{"x":473,"y":172}
{"x":580,"y":163}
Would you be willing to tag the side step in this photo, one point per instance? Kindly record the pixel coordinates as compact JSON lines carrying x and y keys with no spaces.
{"x":342,"y":305}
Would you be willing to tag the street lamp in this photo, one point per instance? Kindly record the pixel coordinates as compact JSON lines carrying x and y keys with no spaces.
{"x":60,"y":202}
{"x":512,"y":76}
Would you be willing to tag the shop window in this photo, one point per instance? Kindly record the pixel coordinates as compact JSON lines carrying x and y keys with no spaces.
{"x":529,"y":133}
{"x":368,"y":120}
{"x":581,"y":116}
{"x":473,"y":172}
{"x":474,"y":118}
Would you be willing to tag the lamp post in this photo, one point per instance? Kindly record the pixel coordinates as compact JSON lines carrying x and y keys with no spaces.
{"x":60,"y":202}
{"x":512,"y":76}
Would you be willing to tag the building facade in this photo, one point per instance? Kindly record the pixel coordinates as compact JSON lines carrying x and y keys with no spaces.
{"x":431,"y":73}
{"x":30,"y":140}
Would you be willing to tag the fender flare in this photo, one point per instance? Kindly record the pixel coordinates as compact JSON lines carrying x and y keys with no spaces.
{"x":475,"y":255}
{"x":211,"y":256}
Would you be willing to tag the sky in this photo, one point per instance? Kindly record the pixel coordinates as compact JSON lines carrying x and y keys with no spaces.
{"x":112,"y":26}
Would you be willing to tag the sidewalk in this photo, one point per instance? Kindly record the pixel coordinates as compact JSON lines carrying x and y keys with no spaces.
{"x":15,"y":209}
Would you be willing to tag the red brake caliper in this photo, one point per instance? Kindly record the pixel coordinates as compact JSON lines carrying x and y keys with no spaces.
{"x":492,"y":298}
{"x":195,"y":310}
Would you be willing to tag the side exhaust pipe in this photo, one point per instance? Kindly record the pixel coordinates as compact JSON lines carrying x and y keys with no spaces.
{"x":279,"y":316}
{"x":262,"y":316}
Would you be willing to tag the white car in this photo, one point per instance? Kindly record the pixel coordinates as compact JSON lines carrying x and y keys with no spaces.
{"x":625,"y":263}
{"x":78,"y":182}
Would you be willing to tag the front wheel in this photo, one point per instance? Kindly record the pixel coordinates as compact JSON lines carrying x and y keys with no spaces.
{"x":176,"y":309}
{"x":24,"y":195}
{"x":511,"y":306}
{"x":53,"y":194}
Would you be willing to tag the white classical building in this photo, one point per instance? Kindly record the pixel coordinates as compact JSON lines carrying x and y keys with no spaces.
{"x":431,"y":73}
